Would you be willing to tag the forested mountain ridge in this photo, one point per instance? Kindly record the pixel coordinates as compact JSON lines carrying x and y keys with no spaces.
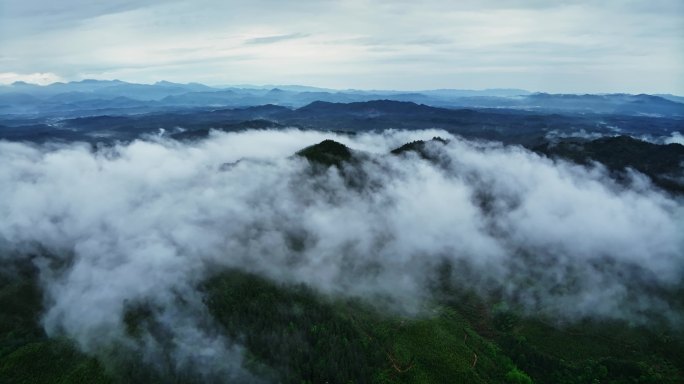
{"x":292,"y":333}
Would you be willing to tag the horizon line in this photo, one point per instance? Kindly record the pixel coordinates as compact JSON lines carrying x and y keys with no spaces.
{"x":276,"y":86}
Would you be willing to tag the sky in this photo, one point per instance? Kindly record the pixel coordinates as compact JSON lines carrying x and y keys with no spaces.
{"x":573,"y":46}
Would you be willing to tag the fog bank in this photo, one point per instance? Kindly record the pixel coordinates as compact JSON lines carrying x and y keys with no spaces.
{"x":148,"y":221}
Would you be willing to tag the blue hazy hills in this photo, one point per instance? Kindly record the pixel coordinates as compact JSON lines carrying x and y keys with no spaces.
{"x":92,"y":97}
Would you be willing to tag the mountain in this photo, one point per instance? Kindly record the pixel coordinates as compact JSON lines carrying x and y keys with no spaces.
{"x":421,"y":147}
{"x":56,"y":100}
{"x":327,"y":153}
{"x":291,"y":333}
{"x":607,"y":104}
{"x":661,"y":163}
{"x":126,"y":119}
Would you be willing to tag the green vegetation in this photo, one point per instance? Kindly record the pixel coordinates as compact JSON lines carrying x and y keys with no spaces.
{"x":292,"y":334}
{"x":515,"y":376}
{"x":660,"y":162}
{"x":419,"y":147}
{"x":303,"y":337}
{"x":327,"y":153}
{"x":27,"y":355}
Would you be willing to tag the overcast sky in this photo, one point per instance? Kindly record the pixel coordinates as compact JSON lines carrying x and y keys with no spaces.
{"x":563,"y":46}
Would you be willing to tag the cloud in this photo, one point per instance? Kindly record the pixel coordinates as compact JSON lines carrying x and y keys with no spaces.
{"x":64,"y":14}
{"x":675,"y":138}
{"x":568,"y":47}
{"x":275,"y":39}
{"x":41,"y":78}
{"x":150,"y":220}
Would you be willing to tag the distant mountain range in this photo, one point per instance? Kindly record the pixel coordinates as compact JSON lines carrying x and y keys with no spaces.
{"x":513,"y":126}
{"x":505,"y":125}
{"x":100,"y":97}
{"x":555,"y":125}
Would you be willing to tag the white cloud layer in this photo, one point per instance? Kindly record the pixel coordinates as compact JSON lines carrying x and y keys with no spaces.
{"x":675,"y":138}
{"x":149,"y":220}
{"x":40,"y":78}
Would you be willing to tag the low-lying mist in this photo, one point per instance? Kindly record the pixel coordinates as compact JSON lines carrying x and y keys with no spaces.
{"x":149,"y":221}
